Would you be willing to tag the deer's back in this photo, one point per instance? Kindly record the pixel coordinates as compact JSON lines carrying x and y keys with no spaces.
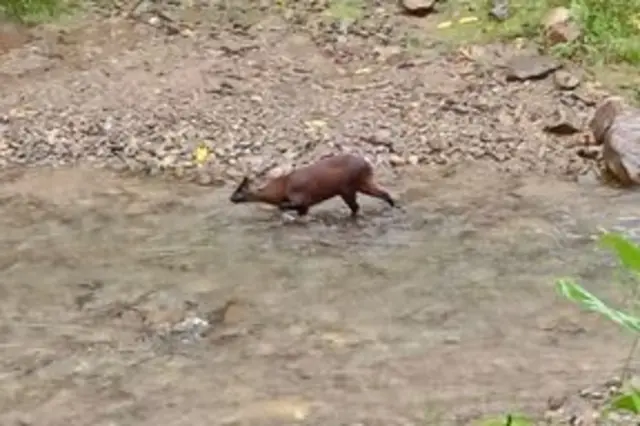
{"x":330,"y":176}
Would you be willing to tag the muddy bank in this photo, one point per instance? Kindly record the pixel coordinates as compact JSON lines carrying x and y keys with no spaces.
{"x":129,"y":96}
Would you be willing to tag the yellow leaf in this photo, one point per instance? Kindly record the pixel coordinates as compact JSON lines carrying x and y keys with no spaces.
{"x":467,"y":20}
{"x":445,"y":24}
{"x":201,"y":154}
{"x":317,"y":124}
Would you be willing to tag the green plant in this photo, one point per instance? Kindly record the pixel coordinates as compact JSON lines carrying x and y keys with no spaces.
{"x":32,"y":11}
{"x":346,"y":10}
{"x":611,"y":29}
{"x":628,"y":254}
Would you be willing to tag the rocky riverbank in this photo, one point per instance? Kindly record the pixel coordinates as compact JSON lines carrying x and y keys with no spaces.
{"x":134,"y":97}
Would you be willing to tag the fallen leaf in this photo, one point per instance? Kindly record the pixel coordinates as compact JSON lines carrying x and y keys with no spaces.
{"x":445,"y":24}
{"x":363,"y":71}
{"x":468,"y":19}
{"x":316,"y":124}
{"x":201,"y":154}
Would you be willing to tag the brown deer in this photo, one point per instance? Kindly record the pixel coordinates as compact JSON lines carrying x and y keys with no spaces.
{"x":341,"y":175}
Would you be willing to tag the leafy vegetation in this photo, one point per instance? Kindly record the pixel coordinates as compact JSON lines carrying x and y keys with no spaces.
{"x":610,"y":30}
{"x":33,"y":11}
{"x":346,"y":10}
{"x":628,"y":255}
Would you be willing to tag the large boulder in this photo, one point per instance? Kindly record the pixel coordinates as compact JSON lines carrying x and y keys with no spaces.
{"x":617,"y":127}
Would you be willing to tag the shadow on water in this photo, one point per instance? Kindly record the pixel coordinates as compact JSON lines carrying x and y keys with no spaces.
{"x":452,"y":295}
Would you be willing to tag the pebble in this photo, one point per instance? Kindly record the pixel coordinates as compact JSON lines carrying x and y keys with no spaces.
{"x":565,"y":80}
{"x":396,"y":160}
{"x":563,"y":122}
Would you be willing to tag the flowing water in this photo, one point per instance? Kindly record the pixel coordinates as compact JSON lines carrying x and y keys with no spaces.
{"x":434,"y":313}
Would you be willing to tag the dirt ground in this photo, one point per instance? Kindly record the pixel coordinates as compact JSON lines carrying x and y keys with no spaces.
{"x":134,"y":300}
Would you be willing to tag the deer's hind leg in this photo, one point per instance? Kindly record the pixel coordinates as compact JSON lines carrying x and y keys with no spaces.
{"x":373,"y":190}
{"x":351,"y":199}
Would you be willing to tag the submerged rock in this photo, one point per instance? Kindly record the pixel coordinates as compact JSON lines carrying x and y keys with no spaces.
{"x":617,"y":128}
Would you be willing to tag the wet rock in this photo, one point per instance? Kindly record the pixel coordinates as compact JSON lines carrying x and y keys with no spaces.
{"x":232,"y":311}
{"x":565,"y":80}
{"x":614,"y":384}
{"x":418,"y":7}
{"x":559,"y":27}
{"x":190,"y":329}
{"x":554,"y":403}
{"x":530,"y":67}
{"x":563,"y":122}
{"x":204,"y":177}
{"x":617,"y":127}
{"x":588,"y":178}
{"x":593,"y":394}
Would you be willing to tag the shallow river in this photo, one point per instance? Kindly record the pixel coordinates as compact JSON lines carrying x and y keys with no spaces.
{"x":437,"y":313}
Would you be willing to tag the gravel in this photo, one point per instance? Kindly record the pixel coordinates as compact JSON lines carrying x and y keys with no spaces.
{"x":268,"y":92}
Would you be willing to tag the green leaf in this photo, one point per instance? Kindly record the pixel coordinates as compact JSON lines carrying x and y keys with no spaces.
{"x":628,"y":252}
{"x":575,"y":293}
{"x":628,"y":401}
